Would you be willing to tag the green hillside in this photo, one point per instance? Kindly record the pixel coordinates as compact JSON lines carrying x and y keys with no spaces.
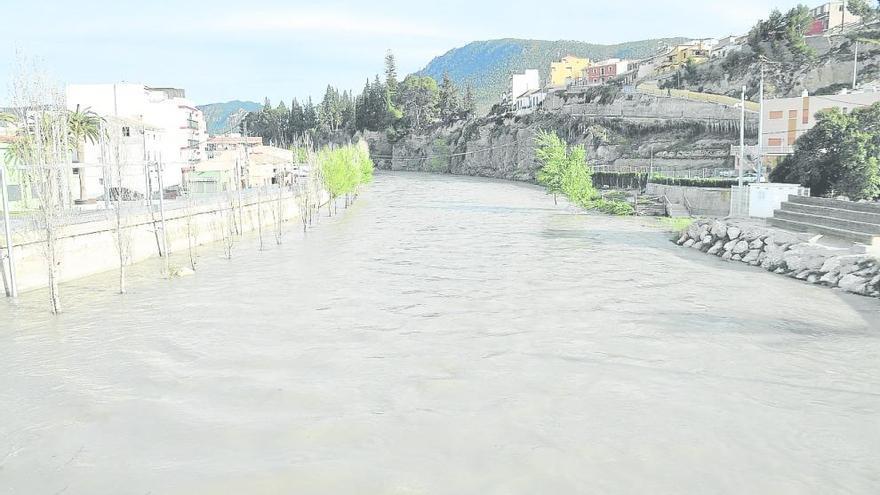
{"x":487,"y":65}
{"x":225,"y":117}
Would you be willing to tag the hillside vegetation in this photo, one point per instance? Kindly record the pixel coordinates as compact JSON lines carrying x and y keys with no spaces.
{"x":487,"y":65}
{"x":225,"y":117}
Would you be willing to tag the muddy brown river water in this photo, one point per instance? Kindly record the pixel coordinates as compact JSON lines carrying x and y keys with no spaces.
{"x":445,"y":335}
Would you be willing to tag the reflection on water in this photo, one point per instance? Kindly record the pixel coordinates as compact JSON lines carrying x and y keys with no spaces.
{"x":445,"y":335}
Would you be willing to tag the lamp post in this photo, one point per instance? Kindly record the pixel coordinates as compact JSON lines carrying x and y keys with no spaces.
{"x":742,"y":136}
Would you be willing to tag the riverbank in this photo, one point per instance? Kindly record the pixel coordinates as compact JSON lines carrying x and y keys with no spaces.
{"x":837,"y":265}
{"x":90,"y":247}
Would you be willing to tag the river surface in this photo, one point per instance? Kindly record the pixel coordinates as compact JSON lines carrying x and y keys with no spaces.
{"x":445,"y":335}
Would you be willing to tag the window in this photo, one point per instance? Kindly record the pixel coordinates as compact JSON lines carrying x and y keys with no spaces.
{"x":776,"y":115}
{"x":792,"y":114}
{"x":774,"y":142}
{"x":13,"y":192}
{"x":126,"y":131}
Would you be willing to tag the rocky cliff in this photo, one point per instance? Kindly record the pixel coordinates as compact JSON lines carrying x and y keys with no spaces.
{"x":620,"y":135}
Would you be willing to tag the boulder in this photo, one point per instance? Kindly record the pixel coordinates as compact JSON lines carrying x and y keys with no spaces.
{"x":736,"y":257}
{"x":830,"y":278}
{"x":733,"y":233}
{"x":682,"y":239}
{"x":803,"y":275}
{"x":854,"y":284}
{"x":757,"y":244}
{"x":689,"y":243}
{"x":716,"y":248}
{"x":707,"y":239}
{"x":719,"y":229}
{"x":835,"y":263}
{"x":730,"y":245}
{"x":697,"y":245}
{"x":773,"y":257}
{"x":741,"y":247}
{"x":727,"y":256}
{"x":693,"y":232}
{"x":752,"y":234}
{"x":752,"y":256}
{"x":813,"y":278}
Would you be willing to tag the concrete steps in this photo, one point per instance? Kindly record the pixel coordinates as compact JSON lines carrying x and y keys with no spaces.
{"x":676,"y":210}
{"x":855,"y":222}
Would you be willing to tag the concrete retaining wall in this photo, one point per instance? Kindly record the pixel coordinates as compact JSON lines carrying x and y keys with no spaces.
{"x":91,"y":248}
{"x":703,"y":201}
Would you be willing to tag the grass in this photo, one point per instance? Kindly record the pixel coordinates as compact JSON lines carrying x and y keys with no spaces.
{"x":679,"y":224}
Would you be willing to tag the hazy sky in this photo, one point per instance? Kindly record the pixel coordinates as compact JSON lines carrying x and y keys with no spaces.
{"x":221,"y":50}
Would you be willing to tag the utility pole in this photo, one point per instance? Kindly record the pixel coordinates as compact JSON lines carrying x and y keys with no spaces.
{"x":760,"y":177}
{"x":162,"y":216}
{"x":742,"y":137}
{"x":855,"y":65}
{"x":12,"y":290}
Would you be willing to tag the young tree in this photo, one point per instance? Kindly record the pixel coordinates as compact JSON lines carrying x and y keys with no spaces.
{"x":41,"y":149}
{"x":469,"y":103}
{"x":390,"y":76}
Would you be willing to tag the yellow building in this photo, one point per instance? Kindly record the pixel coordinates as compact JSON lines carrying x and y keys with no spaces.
{"x":678,"y":56}
{"x":567,"y":70}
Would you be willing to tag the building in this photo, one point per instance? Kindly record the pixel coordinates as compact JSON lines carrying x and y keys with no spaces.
{"x":529,"y":101}
{"x":125,"y":157}
{"x":727,"y":45}
{"x":787,"y":119}
{"x":179,"y":126}
{"x":607,"y":70}
{"x":529,"y":80}
{"x":567,"y":70}
{"x":229,"y":142}
{"x":831,"y":16}
{"x":257,"y":166}
{"x":697,"y":52}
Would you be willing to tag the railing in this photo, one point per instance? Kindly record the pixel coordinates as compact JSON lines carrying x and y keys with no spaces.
{"x":767,"y":150}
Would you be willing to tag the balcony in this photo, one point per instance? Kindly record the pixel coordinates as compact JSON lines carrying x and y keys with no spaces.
{"x":752,"y":151}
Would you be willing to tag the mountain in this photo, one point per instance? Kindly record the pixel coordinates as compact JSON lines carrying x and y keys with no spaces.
{"x":225,"y":117}
{"x":487,"y":65}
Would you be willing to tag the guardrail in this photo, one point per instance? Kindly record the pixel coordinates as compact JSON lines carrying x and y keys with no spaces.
{"x":684,"y":94}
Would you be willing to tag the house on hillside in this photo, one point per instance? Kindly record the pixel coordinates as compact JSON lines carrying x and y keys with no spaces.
{"x":726,"y":46}
{"x":623,"y":71}
{"x":697,"y":51}
{"x":567,"y":70}
{"x":520,"y":85}
{"x":529,"y":101}
{"x":831,"y":16}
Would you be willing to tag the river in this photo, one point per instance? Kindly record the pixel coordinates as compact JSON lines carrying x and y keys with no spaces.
{"x":445,"y":335}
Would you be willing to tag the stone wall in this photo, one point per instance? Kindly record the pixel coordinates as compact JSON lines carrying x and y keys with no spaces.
{"x":788,"y":254}
{"x":90,"y":248}
{"x":701,"y":201}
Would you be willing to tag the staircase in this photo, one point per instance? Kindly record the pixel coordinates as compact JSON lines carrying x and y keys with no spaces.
{"x":856,"y":222}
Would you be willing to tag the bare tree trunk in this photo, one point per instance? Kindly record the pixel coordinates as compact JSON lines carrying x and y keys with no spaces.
{"x":260,"y":215}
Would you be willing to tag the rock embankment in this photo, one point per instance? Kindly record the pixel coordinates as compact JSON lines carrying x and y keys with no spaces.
{"x":787,"y":254}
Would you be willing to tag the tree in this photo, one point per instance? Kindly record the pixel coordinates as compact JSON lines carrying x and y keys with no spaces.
{"x":863,"y":9}
{"x":390,"y":76}
{"x":840,"y":155}
{"x":447,"y":100}
{"x":41,"y":149}
{"x":418,"y":99}
{"x":469,"y":103}
{"x":551,"y":152}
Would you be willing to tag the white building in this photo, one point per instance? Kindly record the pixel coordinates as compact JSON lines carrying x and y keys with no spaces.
{"x":727,"y":45}
{"x":529,"y":101}
{"x":164,"y":114}
{"x":830,"y":16}
{"x":520,"y":84}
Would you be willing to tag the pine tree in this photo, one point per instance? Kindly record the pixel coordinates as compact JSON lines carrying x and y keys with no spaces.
{"x":448,"y":98}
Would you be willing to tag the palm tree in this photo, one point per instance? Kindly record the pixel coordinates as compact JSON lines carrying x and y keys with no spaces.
{"x":83,"y":126}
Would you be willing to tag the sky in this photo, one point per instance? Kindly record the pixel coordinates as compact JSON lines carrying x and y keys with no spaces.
{"x":221,"y":50}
